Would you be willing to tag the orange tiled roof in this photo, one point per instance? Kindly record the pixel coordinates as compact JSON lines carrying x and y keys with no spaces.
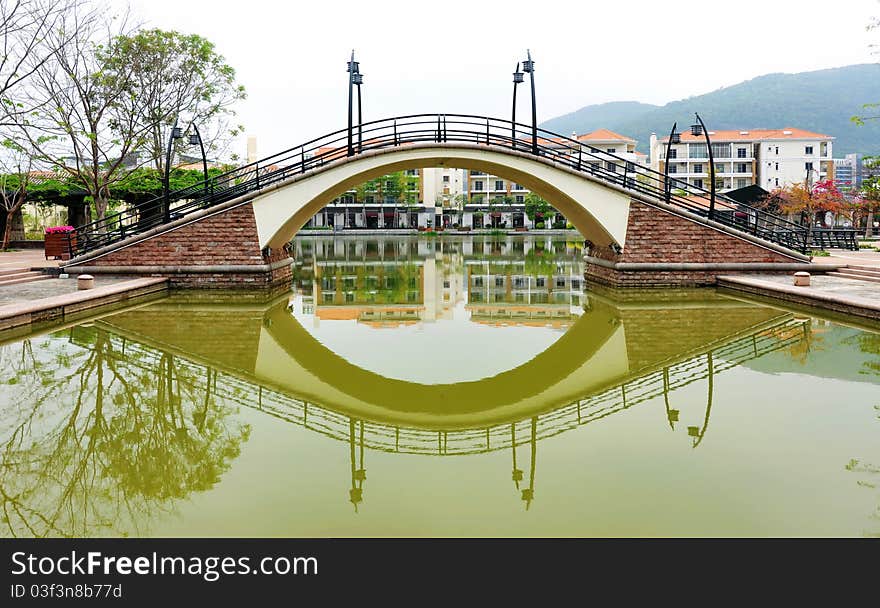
{"x":753,"y":135}
{"x":604,"y":135}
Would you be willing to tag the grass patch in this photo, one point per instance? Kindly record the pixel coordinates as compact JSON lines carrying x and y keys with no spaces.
{"x":819,"y":253}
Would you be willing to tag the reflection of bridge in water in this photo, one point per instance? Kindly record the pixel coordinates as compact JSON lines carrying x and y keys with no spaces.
{"x":659,"y":380}
{"x":654,"y":369}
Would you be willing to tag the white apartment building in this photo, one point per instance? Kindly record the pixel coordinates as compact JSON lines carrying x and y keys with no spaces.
{"x":440,"y":185}
{"x":601,"y":144}
{"x":770,"y":158}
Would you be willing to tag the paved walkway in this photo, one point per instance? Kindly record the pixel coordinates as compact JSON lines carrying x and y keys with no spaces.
{"x":25,"y":258}
{"x":865,"y":257}
{"x":839,"y":286}
{"x":28,"y":292}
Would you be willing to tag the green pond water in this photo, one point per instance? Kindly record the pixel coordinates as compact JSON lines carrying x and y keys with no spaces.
{"x":442,"y":387}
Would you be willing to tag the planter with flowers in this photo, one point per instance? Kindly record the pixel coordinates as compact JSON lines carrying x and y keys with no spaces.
{"x":59,"y":241}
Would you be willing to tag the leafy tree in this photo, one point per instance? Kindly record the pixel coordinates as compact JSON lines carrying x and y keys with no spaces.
{"x":870,"y":107}
{"x":29,"y":37}
{"x":869,"y":194}
{"x":807,"y":201}
{"x":175,"y":74}
{"x":96,"y":104}
{"x":536,"y":206}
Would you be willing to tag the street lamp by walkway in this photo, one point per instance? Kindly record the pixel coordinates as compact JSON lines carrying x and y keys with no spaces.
{"x":529,"y":67}
{"x":697,"y":129}
{"x":354,"y":77}
{"x":674,"y":138}
{"x":176,"y":133}
{"x":358,"y":81}
{"x":517,"y":79}
{"x":196,"y":138}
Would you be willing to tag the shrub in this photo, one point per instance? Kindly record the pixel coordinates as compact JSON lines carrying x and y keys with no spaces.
{"x":539,"y":225}
{"x":57,"y":229}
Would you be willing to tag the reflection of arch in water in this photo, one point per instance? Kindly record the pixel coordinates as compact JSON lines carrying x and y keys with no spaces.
{"x":591,"y":353}
{"x":661,"y":379}
{"x":668,"y":376}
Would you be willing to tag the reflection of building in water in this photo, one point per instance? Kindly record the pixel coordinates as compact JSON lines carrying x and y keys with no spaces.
{"x":378,"y":281}
{"x":390,"y":291}
{"x":512,"y":291}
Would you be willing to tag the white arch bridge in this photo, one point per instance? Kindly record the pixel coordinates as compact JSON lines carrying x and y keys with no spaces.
{"x":595,"y":189}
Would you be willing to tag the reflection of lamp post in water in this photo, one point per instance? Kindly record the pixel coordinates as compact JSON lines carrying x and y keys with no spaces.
{"x":528,"y":494}
{"x":517,"y":474}
{"x":358,"y":475}
{"x":698,"y":432}
{"x":671,"y":415}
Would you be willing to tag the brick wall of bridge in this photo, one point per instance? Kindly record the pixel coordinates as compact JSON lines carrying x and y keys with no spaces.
{"x":655,"y":236}
{"x":225,"y":239}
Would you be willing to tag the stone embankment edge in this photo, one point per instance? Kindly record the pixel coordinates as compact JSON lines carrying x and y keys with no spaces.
{"x":71,"y":305}
{"x":849,"y":305}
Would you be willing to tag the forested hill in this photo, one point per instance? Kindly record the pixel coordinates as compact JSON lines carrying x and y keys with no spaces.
{"x":822,"y":101}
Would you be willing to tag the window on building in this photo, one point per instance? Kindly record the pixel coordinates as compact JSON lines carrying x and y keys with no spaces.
{"x":349,"y":297}
{"x":518,"y":187}
{"x":673,"y":168}
{"x":808,"y":166}
{"x":478,"y":281}
{"x":478,"y":185}
{"x":610,"y":166}
{"x":412,"y":171}
{"x":611,"y":150}
{"x":371,"y":199}
{"x":777,"y":150}
{"x":721,"y":150}
{"x":389,"y":185}
{"x":499,"y":281}
{"x":808,"y":150}
{"x":741,"y":153}
{"x":741,"y":182}
{"x":777,"y":166}
{"x":698,"y":183}
{"x":742,"y":167}
{"x":698,"y":167}
{"x":445,"y":179}
{"x":560,"y":282}
{"x":519,"y":282}
{"x":776,"y":180}
{"x":519,"y":198}
{"x":539,"y":282}
{"x":698,"y":151}
{"x":499,"y":184}
{"x":719,"y":182}
{"x":673,"y":153}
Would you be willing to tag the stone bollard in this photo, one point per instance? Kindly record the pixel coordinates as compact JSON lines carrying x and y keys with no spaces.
{"x":85,"y":281}
{"x":802,"y":279}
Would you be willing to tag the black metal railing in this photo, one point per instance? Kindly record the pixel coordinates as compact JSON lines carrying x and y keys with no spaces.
{"x":438,"y":128}
{"x":835,"y":238}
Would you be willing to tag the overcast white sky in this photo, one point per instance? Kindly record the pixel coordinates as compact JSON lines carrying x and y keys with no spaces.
{"x":457,"y":56}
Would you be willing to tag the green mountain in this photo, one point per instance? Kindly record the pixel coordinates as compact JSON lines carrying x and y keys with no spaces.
{"x":598,"y":116}
{"x":822,"y":101}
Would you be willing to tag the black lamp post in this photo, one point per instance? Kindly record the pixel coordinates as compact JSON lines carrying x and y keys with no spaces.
{"x":674,"y":138}
{"x":517,"y":79}
{"x":529,"y":67}
{"x":352,"y":72}
{"x":196,"y":138}
{"x":358,"y":81}
{"x":176,"y":133}
{"x":697,"y":129}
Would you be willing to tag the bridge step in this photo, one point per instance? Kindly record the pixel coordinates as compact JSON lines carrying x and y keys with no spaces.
{"x":871,"y":269}
{"x":22,"y":277}
{"x":858,"y":277}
